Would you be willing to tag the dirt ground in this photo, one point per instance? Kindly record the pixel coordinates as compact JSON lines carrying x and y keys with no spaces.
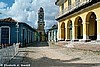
{"x":59,"y":57}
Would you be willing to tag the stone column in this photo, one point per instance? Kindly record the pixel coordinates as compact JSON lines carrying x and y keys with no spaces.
{"x":85,"y":31}
{"x":59,"y":30}
{"x":73,"y":32}
{"x":61,"y":33}
{"x":98,"y":29}
{"x":76,"y":31}
{"x":66,"y":33}
{"x":49,"y":36}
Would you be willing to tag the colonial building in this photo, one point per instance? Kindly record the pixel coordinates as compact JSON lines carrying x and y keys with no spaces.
{"x":12,"y":31}
{"x":41,"y":25}
{"x":78,"y":20}
{"x":52,"y":33}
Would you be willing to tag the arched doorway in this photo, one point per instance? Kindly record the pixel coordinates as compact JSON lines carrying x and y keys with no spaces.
{"x":92,"y":25}
{"x":69,"y":29}
{"x":63,"y":31}
{"x":78,"y":28}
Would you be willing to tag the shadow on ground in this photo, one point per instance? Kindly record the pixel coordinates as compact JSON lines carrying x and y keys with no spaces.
{"x":48,"y":62}
{"x":36,"y":44}
{"x":27,"y":51}
{"x":40,"y":44}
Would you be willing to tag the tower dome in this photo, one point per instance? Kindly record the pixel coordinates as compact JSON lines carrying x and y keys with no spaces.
{"x":41,"y":10}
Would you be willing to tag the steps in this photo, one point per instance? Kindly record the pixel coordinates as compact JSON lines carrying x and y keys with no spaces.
{"x":90,"y":46}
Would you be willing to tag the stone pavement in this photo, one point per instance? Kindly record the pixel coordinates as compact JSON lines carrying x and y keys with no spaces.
{"x":55,"y":56}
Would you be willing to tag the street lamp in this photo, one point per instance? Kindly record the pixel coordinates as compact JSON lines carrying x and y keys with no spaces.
{"x":17,"y":26}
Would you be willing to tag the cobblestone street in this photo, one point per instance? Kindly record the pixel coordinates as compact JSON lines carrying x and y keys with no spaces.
{"x":55,"y":56}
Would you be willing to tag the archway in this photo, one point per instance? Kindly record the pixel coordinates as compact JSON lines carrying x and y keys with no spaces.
{"x":69,"y":29}
{"x":63,"y":31}
{"x":78,"y":28}
{"x":92,"y":25}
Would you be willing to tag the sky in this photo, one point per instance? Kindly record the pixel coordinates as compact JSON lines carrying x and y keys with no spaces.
{"x":27,"y":11}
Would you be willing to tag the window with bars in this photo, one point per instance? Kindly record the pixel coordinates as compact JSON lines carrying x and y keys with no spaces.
{"x":62,"y":7}
{"x":69,"y":4}
{"x":77,"y":2}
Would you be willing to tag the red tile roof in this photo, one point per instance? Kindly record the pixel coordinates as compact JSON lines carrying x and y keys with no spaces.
{"x":7,"y":20}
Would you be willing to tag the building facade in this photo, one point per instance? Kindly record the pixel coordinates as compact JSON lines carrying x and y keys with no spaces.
{"x":10,"y":33}
{"x":41,"y":25}
{"x":52,"y":33}
{"x":78,"y":20}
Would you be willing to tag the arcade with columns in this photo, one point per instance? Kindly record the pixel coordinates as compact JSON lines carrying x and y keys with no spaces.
{"x":83,"y":25}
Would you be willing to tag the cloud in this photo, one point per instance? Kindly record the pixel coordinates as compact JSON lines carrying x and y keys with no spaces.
{"x":26,"y":11}
{"x":2,"y":5}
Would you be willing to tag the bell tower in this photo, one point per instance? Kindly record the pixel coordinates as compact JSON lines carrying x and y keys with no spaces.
{"x":41,"y":24}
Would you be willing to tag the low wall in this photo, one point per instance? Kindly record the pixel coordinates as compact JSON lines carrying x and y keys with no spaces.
{"x":6,"y":54}
{"x":87,"y":46}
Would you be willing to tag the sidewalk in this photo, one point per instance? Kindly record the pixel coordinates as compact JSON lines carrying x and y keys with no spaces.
{"x":17,"y":61}
{"x":18,"y":58}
